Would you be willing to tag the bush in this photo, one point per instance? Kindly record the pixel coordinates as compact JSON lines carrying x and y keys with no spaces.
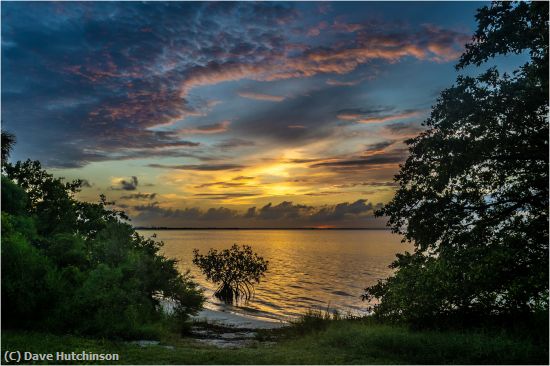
{"x":235,"y":270}
{"x":28,"y":280}
{"x":80,"y":267}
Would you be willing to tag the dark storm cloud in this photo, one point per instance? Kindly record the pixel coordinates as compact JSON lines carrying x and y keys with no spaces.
{"x":341,"y":210}
{"x":201,"y":167}
{"x":153,"y":210}
{"x":284,"y":214}
{"x":126,"y":185}
{"x":220,"y":213}
{"x":139,"y":196}
{"x":284,"y":210}
{"x":392,"y":157}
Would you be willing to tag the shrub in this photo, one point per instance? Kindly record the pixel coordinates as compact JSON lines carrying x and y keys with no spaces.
{"x":80,"y":267}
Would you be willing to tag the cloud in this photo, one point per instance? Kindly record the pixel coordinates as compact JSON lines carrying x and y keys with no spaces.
{"x":206,"y":129}
{"x":200,"y":167}
{"x":316,"y":30}
{"x":341,"y":210}
{"x":153,"y":211}
{"x":284,"y":214}
{"x":124,"y":184}
{"x":343,"y":83}
{"x":243,"y":177}
{"x":107,"y":76}
{"x":139,"y":196}
{"x":233,"y":143}
{"x":379,"y":115}
{"x":222,"y":196}
{"x":368,"y":183}
{"x":284,"y":210}
{"x":259,"y":96}
{"x":428,"y":43}
{"x":407,"y":129}
{"x":347,"y":27}
{"x":393,"y":157}
{"x":220,"y":213}
{"x":379,"y":146}
{"x":86,"y":183}
{"x":221,"y":184}
{"x":387,"y":118}
{"x":353,"y":114}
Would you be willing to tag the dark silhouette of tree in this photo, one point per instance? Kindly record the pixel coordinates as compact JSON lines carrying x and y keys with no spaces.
{"x":235,"y":270}
{"x":8,"y":140}
{"x":73,"y":266}
{"x":473,"y":194}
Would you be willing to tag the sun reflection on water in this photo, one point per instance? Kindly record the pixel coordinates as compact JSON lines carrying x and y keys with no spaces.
{"x":307,"y":268}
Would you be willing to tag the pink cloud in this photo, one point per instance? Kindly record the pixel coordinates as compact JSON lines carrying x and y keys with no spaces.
{"x":206,"y":129}
{"x":316,"y":30}
{"x":394,"y":117}
{"x":259,"y":96}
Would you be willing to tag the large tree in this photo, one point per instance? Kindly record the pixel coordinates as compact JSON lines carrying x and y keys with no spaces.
{"x":473,"y":193}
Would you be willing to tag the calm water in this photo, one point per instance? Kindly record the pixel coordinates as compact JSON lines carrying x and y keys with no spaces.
{"x":307,"y":268}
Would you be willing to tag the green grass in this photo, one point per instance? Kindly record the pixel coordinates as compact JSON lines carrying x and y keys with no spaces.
{"x":335,"y":342}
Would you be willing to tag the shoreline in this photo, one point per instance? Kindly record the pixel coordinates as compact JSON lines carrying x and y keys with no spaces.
{"x":238,"y":321}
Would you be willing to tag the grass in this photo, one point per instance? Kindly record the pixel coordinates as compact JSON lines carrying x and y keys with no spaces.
{"x":311,"y":341}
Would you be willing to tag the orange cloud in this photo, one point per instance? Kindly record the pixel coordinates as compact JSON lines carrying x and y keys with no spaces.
{"x":389,"y":118}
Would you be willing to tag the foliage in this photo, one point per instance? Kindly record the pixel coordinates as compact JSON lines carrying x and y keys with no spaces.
{"x":75,"y":266}
{"x":473,"y":194}
{"x":8,"y":140}
{"x":235,"y":270}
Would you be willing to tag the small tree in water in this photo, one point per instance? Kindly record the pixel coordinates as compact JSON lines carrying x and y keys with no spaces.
{"x":235,"y":270}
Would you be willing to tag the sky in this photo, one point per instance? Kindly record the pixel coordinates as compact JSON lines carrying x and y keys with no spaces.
{"x":228,"y":114}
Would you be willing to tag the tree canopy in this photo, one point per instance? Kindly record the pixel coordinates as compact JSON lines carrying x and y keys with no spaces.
{"x":473,"y":193}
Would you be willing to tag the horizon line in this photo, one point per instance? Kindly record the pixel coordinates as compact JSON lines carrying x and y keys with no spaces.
{"x":253,"y":228}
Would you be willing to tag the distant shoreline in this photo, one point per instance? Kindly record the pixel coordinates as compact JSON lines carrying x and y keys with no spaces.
{"x":253,"y":228}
